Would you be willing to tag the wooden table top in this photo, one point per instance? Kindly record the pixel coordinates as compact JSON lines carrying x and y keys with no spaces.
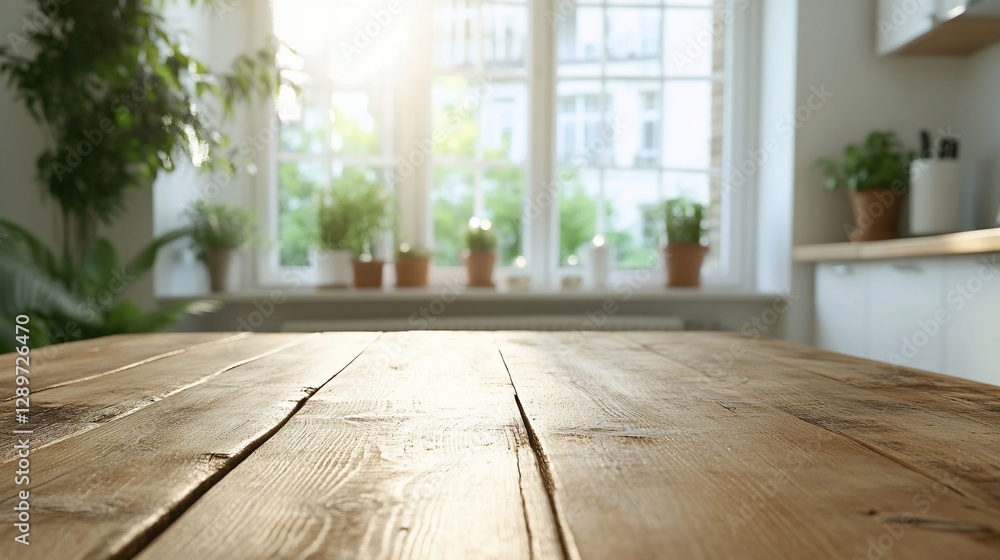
{"x":493,"y":445}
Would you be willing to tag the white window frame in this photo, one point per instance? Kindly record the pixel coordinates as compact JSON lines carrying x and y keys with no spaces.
{"x":541,"y":214}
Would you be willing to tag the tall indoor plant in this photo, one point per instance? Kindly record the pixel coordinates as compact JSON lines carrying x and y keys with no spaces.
{"x":684,"y":252}
{"x":120,"y":99}
{"x":876,"y":174}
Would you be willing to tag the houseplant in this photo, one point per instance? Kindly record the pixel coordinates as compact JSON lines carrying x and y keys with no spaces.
{"x":218,"y":232}
{"x":351,"y":219}
{"x":876,"y":174}
{"x":412,"y":266}
{"x":120,"y":99}
{"x":481,"y":243}
{"x":684,"y":252}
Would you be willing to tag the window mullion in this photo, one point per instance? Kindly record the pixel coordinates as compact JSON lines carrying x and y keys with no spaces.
{"x":541,"y":224}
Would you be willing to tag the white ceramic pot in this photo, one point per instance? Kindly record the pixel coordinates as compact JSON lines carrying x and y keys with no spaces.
{"x":224,"y":267}
{"x":334,"y":268}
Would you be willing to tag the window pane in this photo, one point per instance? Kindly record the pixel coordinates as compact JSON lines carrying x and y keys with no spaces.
{"x":503,"y":193}
{"x":456,"y":112}
{"x":581,"y":136}
{"x":580,"y":39}
{"x":635,"y":106}
{"x":304,"y":118}
{"x":633,"y":207}
{"x":503,"y":127}
{"x":358,"y":122}
{"x":634,"y":42}
{"x":578,"y":207}
{"x":504,"y":37}
{"x":688,"y":124}
{"x":454,"y":39}
{"x":692,"y":41}
{"x":452,"y":199}
{"x":299,"y":183}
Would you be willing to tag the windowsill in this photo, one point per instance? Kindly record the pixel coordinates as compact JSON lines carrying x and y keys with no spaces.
{"x":306,"y":295}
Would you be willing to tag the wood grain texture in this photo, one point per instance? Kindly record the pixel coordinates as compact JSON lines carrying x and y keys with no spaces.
{"x":107,"y":492}
{"x":650,"y":458}
{"x":416,"y":450}
{"x":75,"y":408}
{"x":53,"y":366}
{"x":902,"y":423}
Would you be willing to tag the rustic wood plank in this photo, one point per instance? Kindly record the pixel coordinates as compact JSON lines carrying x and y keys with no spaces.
{"x":648,"y":457}
{"x":84,"y":360}
{"x":106,"y":493}
{"x":416,"y":450}
{"x":72,"y":409}
{"x":922,"y":434}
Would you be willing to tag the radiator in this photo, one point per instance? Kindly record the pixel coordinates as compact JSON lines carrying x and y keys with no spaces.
{"x":497,"y":323}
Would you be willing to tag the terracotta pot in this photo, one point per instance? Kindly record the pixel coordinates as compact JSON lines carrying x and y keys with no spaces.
{"x":223,"y":269}
{"x":368,"y":274}
{"x":684,"y":262}
{"x":333,"y":267}
{"x":412,"y":272}
{"x":876,"y":214}
{"x":480,"y":268}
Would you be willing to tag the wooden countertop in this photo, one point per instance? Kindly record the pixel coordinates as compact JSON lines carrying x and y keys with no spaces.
{"x":493,"y":445}
{"x":963,"y":243}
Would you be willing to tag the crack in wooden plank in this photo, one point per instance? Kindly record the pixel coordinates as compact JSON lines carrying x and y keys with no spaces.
{"x":177,"y":510}
{"x":566,"y":541}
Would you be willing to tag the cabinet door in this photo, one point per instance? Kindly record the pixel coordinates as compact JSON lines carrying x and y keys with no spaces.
{"x":842,"y":308}
{"x":902,"y":21}
{"x":906,"y":299}
{"x":973,"y":334}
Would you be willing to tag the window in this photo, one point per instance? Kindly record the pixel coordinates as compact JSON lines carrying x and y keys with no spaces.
{"x":444,"y":104}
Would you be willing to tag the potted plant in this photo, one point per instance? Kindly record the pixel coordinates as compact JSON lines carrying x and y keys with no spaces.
{"x":481,"y":244}
{"x":218,"y":232}
{"x":412,"y":266}
{"x":876,"y":175}
{"x":684,"y":251}
{"x":350,"y":223}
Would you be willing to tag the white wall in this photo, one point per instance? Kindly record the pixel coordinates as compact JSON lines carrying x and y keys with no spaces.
{"x":980,"y":148}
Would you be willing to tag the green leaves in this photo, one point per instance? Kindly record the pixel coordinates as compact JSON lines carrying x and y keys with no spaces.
{"x":685,"y":221}
{"x":352,"y":214}
{"x":69,"y":303}
{"x":880,"y":162}
{"x":217,"y":226}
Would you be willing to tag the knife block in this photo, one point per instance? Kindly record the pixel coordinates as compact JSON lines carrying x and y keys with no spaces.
{"x":935,"y":196}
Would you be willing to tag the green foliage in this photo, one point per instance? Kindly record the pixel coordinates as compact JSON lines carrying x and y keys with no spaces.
{"x":351,"y":217}
{"x":685,"y":221}
{"x":68,"y":303}
{"x":218,"y":226}
{"x":407,"y":251}
{"x":121,"y":99}
{"x":881,"y":162}
{"x":480,"y":237}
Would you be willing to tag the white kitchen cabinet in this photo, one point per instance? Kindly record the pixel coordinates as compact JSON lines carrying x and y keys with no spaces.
{"x":937,"y":27}
{"x":906,"y":299}
{"x":842,"y":308}
{"x":903,"y":21}
{"x":972,"y":339}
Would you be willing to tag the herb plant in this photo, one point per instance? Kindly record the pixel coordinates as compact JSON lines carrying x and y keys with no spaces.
{"x":880,"y":162}
{"x":480,"y":237}
{"x":685,"y":221}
